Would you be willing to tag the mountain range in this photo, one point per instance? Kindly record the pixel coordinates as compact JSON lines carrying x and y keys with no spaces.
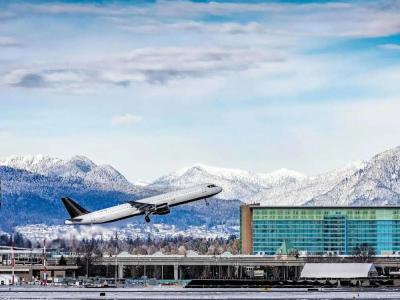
{"x":33,"y":185}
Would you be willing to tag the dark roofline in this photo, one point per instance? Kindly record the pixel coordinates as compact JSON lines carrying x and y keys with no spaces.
{"x":322,"y":207}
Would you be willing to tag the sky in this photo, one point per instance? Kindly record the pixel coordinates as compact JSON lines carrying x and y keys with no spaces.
{"x":154,"y":86}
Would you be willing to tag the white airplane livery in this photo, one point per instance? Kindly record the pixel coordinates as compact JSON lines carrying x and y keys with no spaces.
{"x":156,"y":205}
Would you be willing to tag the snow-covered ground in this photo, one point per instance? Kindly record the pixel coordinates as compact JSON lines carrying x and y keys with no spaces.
{"x":38,"y":232}
{"x":182,"y":293}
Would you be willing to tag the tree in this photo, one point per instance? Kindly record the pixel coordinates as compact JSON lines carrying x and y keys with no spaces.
{"x":364,"y":252}
{"x":62,"y":261}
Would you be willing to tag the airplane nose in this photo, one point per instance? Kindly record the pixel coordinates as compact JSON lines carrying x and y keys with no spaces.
{"x":67,"y":222}
{"x":219,"y":189}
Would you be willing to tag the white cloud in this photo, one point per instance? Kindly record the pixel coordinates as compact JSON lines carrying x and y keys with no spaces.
{"x":126,"y":119}
{"x":281,"y":31}
{"x":6,"y":41}
{"x":70,"y":8}
{"x":358,"y":19}
{"x":192,"y":26}
{"x":351,"y":19}
{"x":390,"y":46}
{"x":148,"y":65}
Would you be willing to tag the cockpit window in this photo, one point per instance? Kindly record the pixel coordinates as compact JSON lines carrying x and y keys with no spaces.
{"x":211,"y":186}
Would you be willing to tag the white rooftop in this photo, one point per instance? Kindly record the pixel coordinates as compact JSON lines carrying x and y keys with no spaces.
{"x":338,"y":270}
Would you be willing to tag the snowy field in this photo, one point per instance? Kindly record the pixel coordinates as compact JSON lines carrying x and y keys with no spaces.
{"x":181,"y":293}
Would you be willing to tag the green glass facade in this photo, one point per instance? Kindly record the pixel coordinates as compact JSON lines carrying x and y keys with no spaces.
{"x":321,"y":230}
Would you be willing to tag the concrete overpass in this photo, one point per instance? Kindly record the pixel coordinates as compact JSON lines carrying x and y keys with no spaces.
{"x":233,"y":264}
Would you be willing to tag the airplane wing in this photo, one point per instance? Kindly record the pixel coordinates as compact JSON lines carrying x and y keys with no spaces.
{"x":141,"y":206}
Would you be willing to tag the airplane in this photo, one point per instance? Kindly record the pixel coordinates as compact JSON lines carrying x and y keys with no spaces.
{"x":155,"y":205}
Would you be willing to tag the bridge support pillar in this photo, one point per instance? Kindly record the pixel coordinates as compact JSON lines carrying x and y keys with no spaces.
{"x":120,"y":271}
{"x":31,"y":273}
{"x":176,"y":272}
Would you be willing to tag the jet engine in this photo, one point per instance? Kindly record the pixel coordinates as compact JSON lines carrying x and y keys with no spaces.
{"x":162,"y":209}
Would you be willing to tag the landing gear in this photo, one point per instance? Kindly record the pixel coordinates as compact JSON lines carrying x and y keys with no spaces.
{"x":147,"y":218}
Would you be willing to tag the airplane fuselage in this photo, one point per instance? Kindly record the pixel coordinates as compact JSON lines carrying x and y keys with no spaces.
{"x":163,"y":202}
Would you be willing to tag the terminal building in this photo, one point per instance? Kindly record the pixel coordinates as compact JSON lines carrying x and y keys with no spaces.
{"x":319,"y":230}
{"x":29,"y":265}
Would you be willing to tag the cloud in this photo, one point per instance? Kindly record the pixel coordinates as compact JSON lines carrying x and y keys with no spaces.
{"x":160,"y":8}
{"x":390,"y":46}
{"x":266,"y":39}
{"x":351,"y":19}
{"x":50,"y":77}
{"x":145,"y":65}
{"x":355,"y":19}
{"x":348,"y":19}
{"x":126,"y":119}
{"x":198,"y":27}
{"x":31,"y":81}
{"x":6,"y":41}
{"x":71,"y":8}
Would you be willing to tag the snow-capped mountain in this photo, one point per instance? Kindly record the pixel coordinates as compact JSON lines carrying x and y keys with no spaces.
{"x":373,"y":182}
{"x":33,"y":185}
{"x":303,"y":190}
{"x":282,"y":187}
{"x":78,"y":167}
{"x":29,"y":198}
{"x":377,"y":183}
{"x":237,"y":184}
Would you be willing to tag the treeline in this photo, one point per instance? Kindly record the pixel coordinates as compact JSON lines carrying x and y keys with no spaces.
{"x":101,"y":247}
{"x":16,"y":240}
{"x":177,"y":245}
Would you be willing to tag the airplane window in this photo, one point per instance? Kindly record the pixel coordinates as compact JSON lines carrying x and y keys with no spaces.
{"x":211,"y":186}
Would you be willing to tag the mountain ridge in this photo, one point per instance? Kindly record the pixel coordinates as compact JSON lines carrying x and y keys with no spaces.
{"x":78,"y":167}
{"x":33,"y":185}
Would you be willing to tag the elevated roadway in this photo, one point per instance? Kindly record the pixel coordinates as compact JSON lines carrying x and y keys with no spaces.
{"x":285,"y":262}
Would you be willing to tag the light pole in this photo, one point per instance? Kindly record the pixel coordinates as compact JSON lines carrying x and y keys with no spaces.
{"x":116,"y":266}
{"x":44,"y":263}
{"x":12,"y":259}
{"x":87,"y":266}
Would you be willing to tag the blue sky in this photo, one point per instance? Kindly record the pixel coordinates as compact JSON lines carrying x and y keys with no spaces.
{"x":153,"y":86}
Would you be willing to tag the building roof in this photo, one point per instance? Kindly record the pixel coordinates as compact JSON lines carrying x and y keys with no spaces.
{"x":285,"y":249}
{"x":338,"y":270}
{"x":8,"y":277}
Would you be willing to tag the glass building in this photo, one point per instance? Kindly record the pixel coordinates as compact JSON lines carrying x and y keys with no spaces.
{"x":320,"y":230}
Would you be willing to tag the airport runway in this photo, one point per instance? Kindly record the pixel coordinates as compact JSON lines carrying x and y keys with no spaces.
{"x":181,"y":293}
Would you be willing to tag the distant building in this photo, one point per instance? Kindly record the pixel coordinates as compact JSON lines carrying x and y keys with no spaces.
{"x":8,"y":279}
{"x":338,"y":271}
{"x":29,"y":265}
{"x":320,"y":230}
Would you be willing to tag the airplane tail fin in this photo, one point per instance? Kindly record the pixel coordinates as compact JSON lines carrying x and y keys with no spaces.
{"x":73,"y":208}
